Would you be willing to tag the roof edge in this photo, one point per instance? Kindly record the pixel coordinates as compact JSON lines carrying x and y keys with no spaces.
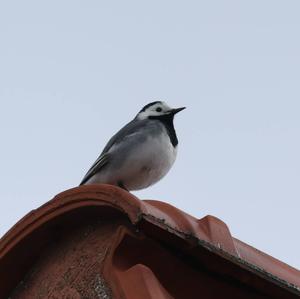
{"x":83,"y":196}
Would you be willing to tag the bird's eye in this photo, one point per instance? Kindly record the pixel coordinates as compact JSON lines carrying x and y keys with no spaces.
{"x":158,"y":109}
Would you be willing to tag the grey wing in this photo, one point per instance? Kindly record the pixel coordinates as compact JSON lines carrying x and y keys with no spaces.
{"x":130,"y":128}
{"x":99,"y":163}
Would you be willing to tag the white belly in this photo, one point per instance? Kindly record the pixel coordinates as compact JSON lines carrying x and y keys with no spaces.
{"x":151,"y":163}
{"x":143,"y":166}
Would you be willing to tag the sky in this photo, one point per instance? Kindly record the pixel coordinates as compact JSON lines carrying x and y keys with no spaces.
{"x":72,"y":73}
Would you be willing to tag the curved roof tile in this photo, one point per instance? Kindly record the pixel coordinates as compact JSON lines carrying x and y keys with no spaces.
{"x":156,"y":218}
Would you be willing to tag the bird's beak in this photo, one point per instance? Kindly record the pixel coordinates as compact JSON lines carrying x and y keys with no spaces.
{"x":176,"y":110}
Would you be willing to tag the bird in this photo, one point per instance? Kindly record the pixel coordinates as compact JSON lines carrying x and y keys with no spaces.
{"x":141,"y":153}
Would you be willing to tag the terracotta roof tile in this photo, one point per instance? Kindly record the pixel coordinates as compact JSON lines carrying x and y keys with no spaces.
{"x":208,"y":240}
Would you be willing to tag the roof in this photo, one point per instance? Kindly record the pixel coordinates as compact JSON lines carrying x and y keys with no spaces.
{"x":206,"y":242}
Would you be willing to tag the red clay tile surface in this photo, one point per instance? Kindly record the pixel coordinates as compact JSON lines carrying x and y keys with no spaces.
{"x":135,"y":264}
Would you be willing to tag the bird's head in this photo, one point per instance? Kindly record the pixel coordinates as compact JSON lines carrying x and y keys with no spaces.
{"x":157,"y":110}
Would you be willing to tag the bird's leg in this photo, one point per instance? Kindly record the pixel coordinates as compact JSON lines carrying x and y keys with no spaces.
{"x":121,"y":185}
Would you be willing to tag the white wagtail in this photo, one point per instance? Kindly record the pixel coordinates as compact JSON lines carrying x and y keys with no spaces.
{"x":141,"y":153}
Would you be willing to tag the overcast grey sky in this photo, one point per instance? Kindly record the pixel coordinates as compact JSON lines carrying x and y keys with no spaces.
{"x":74,"y":72}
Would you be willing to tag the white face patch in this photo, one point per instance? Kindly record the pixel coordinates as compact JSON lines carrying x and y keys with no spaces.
{"x":157,"y":109}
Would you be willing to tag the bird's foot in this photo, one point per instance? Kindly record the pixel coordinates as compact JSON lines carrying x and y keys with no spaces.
{"x":121,"y":185}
